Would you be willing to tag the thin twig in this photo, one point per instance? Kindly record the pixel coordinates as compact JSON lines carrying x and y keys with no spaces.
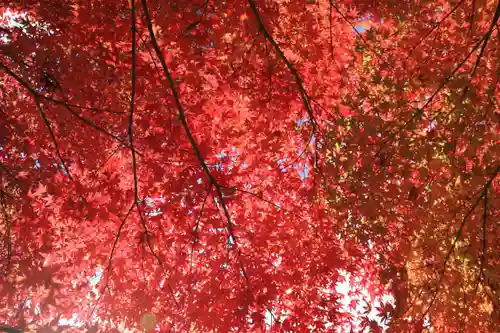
{"x":484,"y":242}
{"x":187,"y":130}
{"x":110,"y":259}
{"x":447,"y":79}
{"x":8,"y":227}
{"x":53,"y":137}
{"x":332,"y":4}
{"x":76,"y":106}
{"x":434,"y":28}
{"x":298,"y":80}
{"x":133,"y":152}
{"x":471,"y":18}
{"x":195,"y":237}
{"x":64,"y":104}
{"x":483,"y":196}
{"x":486,"y":38}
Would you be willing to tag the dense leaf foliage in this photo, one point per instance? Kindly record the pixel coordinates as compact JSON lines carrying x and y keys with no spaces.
{"x":226,"y":166}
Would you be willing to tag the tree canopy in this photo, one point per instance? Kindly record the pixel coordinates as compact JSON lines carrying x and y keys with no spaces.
{"x":250,"y":166}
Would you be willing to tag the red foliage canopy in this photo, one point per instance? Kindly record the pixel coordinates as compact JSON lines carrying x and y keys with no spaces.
{"x":251,"y":165}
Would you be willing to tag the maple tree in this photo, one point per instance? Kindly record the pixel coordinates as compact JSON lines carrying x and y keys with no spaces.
{"x":223,"y":166}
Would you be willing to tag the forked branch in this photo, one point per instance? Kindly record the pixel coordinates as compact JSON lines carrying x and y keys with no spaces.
{"x":187,"y":130}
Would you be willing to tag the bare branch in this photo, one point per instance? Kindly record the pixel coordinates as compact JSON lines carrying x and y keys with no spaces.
{"x":134,"y":160}
{"x":447,"y":79}
{"x":132,"y":102}
{"x":76,"y":106}
{"x":473,"y":14}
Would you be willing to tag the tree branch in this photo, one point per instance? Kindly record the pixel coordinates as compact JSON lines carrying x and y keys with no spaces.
{"x":110,"y":259}
{"x":195,"y":236}
{"x":134,"y":160}
{"x":187,"y":130}
{"x":457,"y":237}
{"x":9,"y":329}
{"x":437,"y":25}
{"x":303,"y":94}
{"x":8,"y":227}
{"x":486,"y":38}
{"x":54,"y":141}
{"x":332,"y":4}
{"x":447,"y":79}
{"x":484,"y":241}
{"x":67,"y":106}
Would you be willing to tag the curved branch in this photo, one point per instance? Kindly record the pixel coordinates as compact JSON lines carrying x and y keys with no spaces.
{"x":298,"y":80}
{"x":187,"y":130}
{"x":53,"y":137}
{"x":133,"y":152}
{"x":9,"y":329}
{"x":486,"y":38}
{"x":61,"y":103}
{"x":447,"y":79}
{"x":484,"y":240}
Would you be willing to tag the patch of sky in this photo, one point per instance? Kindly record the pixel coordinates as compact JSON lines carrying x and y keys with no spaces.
{"x":282,"y":164}
{"x":304,"y":172}
{"x":94,"y":279}
{"x":19,"y":20}
{"x":233,"y":157}
{"x":73,"y":321}
{"x":151,"y":201}
{"x":230,"y":241}
{"x":427,"y":323}
{"x":222,"y":154}
{"x":155,"y":212}
{"x":217,"y":230}
{"x":268,"y":318}
{"x":360,"y":28}
{"x":219,"y":166}
{"x":301,"y":122}
{"x":432,"y":125}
